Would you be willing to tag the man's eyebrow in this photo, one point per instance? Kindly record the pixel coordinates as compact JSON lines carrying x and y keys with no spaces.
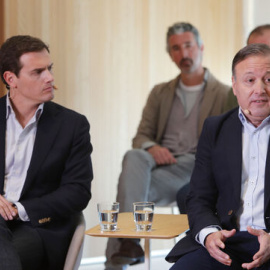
{"x":49,"y":67}
{"x":249,"y":73}
{"x":185,"y":43}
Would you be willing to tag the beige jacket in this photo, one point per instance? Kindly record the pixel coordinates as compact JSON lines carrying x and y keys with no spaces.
{"x":159,"y":103}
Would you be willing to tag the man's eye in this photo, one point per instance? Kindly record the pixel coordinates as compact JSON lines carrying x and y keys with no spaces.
{"x":50,"y":68}
{"x":250,"y":80}
{"x":267,"y":80}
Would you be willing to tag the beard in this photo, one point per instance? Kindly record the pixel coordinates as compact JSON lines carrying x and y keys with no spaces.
{"x":186,"y":62}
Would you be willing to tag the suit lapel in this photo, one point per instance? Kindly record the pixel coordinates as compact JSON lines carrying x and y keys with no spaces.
{"x":209,"y":97}
{"x":2,"y":141}
{"x":267,"y":180}
{"x":233,"y":152}
{"x":165,"y":107}
{"x":47,"y":130}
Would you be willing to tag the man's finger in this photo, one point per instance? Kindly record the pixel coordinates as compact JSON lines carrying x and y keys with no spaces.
{"x":253,"y":231}
{"x":228,"y":234}
{"x":250,"y":265}
{"x":222,"y":257}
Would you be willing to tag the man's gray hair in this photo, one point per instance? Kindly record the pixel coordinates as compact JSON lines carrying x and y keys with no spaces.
{"x":181,"y":27}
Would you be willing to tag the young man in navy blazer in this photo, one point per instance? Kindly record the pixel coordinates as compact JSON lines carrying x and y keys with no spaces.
{"x":45,"y":165}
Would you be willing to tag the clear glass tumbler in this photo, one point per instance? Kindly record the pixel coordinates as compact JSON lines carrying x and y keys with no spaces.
{"x":143,"y":215}
{"x":108,"y":215}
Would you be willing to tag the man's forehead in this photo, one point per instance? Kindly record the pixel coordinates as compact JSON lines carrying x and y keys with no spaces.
{"x":183,"y":36}
{"x":35,"y":58}
{"x":253,"y":59}
{"x":259,"y":65}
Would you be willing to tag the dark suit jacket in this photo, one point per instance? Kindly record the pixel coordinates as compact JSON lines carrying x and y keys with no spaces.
{"x":215,"y":186}
{"x":58,"y":182}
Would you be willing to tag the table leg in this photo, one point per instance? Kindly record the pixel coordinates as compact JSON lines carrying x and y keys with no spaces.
{"x":147,"y":253}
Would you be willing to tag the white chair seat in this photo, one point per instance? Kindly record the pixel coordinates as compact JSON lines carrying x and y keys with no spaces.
{"x":75,"y":250}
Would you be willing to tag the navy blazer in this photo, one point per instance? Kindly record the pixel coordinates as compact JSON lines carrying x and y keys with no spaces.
{"x":58,"y":182}
{"x":215,"y":187}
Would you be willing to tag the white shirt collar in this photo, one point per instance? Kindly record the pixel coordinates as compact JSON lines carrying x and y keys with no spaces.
{"x":9,"y":109}
{"x":245,"y":121}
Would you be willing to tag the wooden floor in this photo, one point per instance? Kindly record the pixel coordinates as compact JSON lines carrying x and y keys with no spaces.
{"x":157,"y":263}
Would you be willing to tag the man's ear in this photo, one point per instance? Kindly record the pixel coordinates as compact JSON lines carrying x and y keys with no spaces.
{"x":202,"y":48}
{"x":10,"y":78}
{"x":234,"y":85}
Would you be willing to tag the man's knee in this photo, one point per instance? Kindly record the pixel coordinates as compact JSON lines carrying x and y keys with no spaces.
{"x":135,"y":177}
{"x":136,"y":161}
{"x":5,"y":232}
{"x":198,"y":259}
{"x":137,"y":156}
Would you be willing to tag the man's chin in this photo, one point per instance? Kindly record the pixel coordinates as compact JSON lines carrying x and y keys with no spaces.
{"x":185,"y":69}
{"x":48,"y":98}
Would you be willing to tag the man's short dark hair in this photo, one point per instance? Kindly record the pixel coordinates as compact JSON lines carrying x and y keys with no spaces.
{"x":181,"y":27}
{"x":13,"y":48}
{"x":255,"y":49}
{"x":258,"y":30}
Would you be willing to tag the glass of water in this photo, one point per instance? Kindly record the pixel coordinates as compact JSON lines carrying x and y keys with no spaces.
{"x":108,"y":215}
{"x":143,"y":215}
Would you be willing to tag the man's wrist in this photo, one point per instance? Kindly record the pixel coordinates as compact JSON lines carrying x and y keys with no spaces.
{"x":201,"y":236}
{"x":148,"y":145}
{"x":22,"y":212}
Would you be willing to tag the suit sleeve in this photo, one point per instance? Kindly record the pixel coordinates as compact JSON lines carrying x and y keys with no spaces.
{"x":201,"y":201}
{"x":147,"y":130}
{"x":63,"y":186}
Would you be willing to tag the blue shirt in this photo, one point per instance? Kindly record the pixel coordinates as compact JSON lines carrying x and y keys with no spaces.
{"x":19,"y":148}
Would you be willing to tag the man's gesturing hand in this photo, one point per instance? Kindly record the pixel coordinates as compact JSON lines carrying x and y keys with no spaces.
{"x":161,"y":155}
{"x":263,"y":255}
{"x":215,"y":242}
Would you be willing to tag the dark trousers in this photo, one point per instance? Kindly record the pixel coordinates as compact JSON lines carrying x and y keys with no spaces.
{"x":241,"y":248}
{"x":21,"y":247}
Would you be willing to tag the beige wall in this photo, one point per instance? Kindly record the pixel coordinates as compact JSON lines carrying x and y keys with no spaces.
{"x":108,"y":54}
{"x":2,"y":27}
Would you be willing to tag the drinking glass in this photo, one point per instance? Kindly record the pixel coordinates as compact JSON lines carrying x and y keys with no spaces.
{"x":108,"y":215}
{"x":143,"y":215}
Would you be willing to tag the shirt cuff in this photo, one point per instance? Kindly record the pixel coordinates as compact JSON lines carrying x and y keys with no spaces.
{"x":200,"y":237}
{"x":21,"y":212}
{"x":149,"y":144}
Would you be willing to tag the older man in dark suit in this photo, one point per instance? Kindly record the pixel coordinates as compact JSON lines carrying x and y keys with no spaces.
{"x":45,"y":170}
{"x":229,"y":201}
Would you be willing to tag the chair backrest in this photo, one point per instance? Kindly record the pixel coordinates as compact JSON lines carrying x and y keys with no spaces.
{"x":75,"y":250}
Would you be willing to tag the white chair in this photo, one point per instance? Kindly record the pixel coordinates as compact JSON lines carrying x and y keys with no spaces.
{"x":75,"y":250}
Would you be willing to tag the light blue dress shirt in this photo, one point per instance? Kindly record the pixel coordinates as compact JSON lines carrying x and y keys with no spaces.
{"x":19,"y":148}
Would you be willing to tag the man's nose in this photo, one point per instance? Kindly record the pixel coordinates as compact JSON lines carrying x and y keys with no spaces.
{"x":49,"y":76}
{"x":184,"y":53}
{"x":260,"y":87}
